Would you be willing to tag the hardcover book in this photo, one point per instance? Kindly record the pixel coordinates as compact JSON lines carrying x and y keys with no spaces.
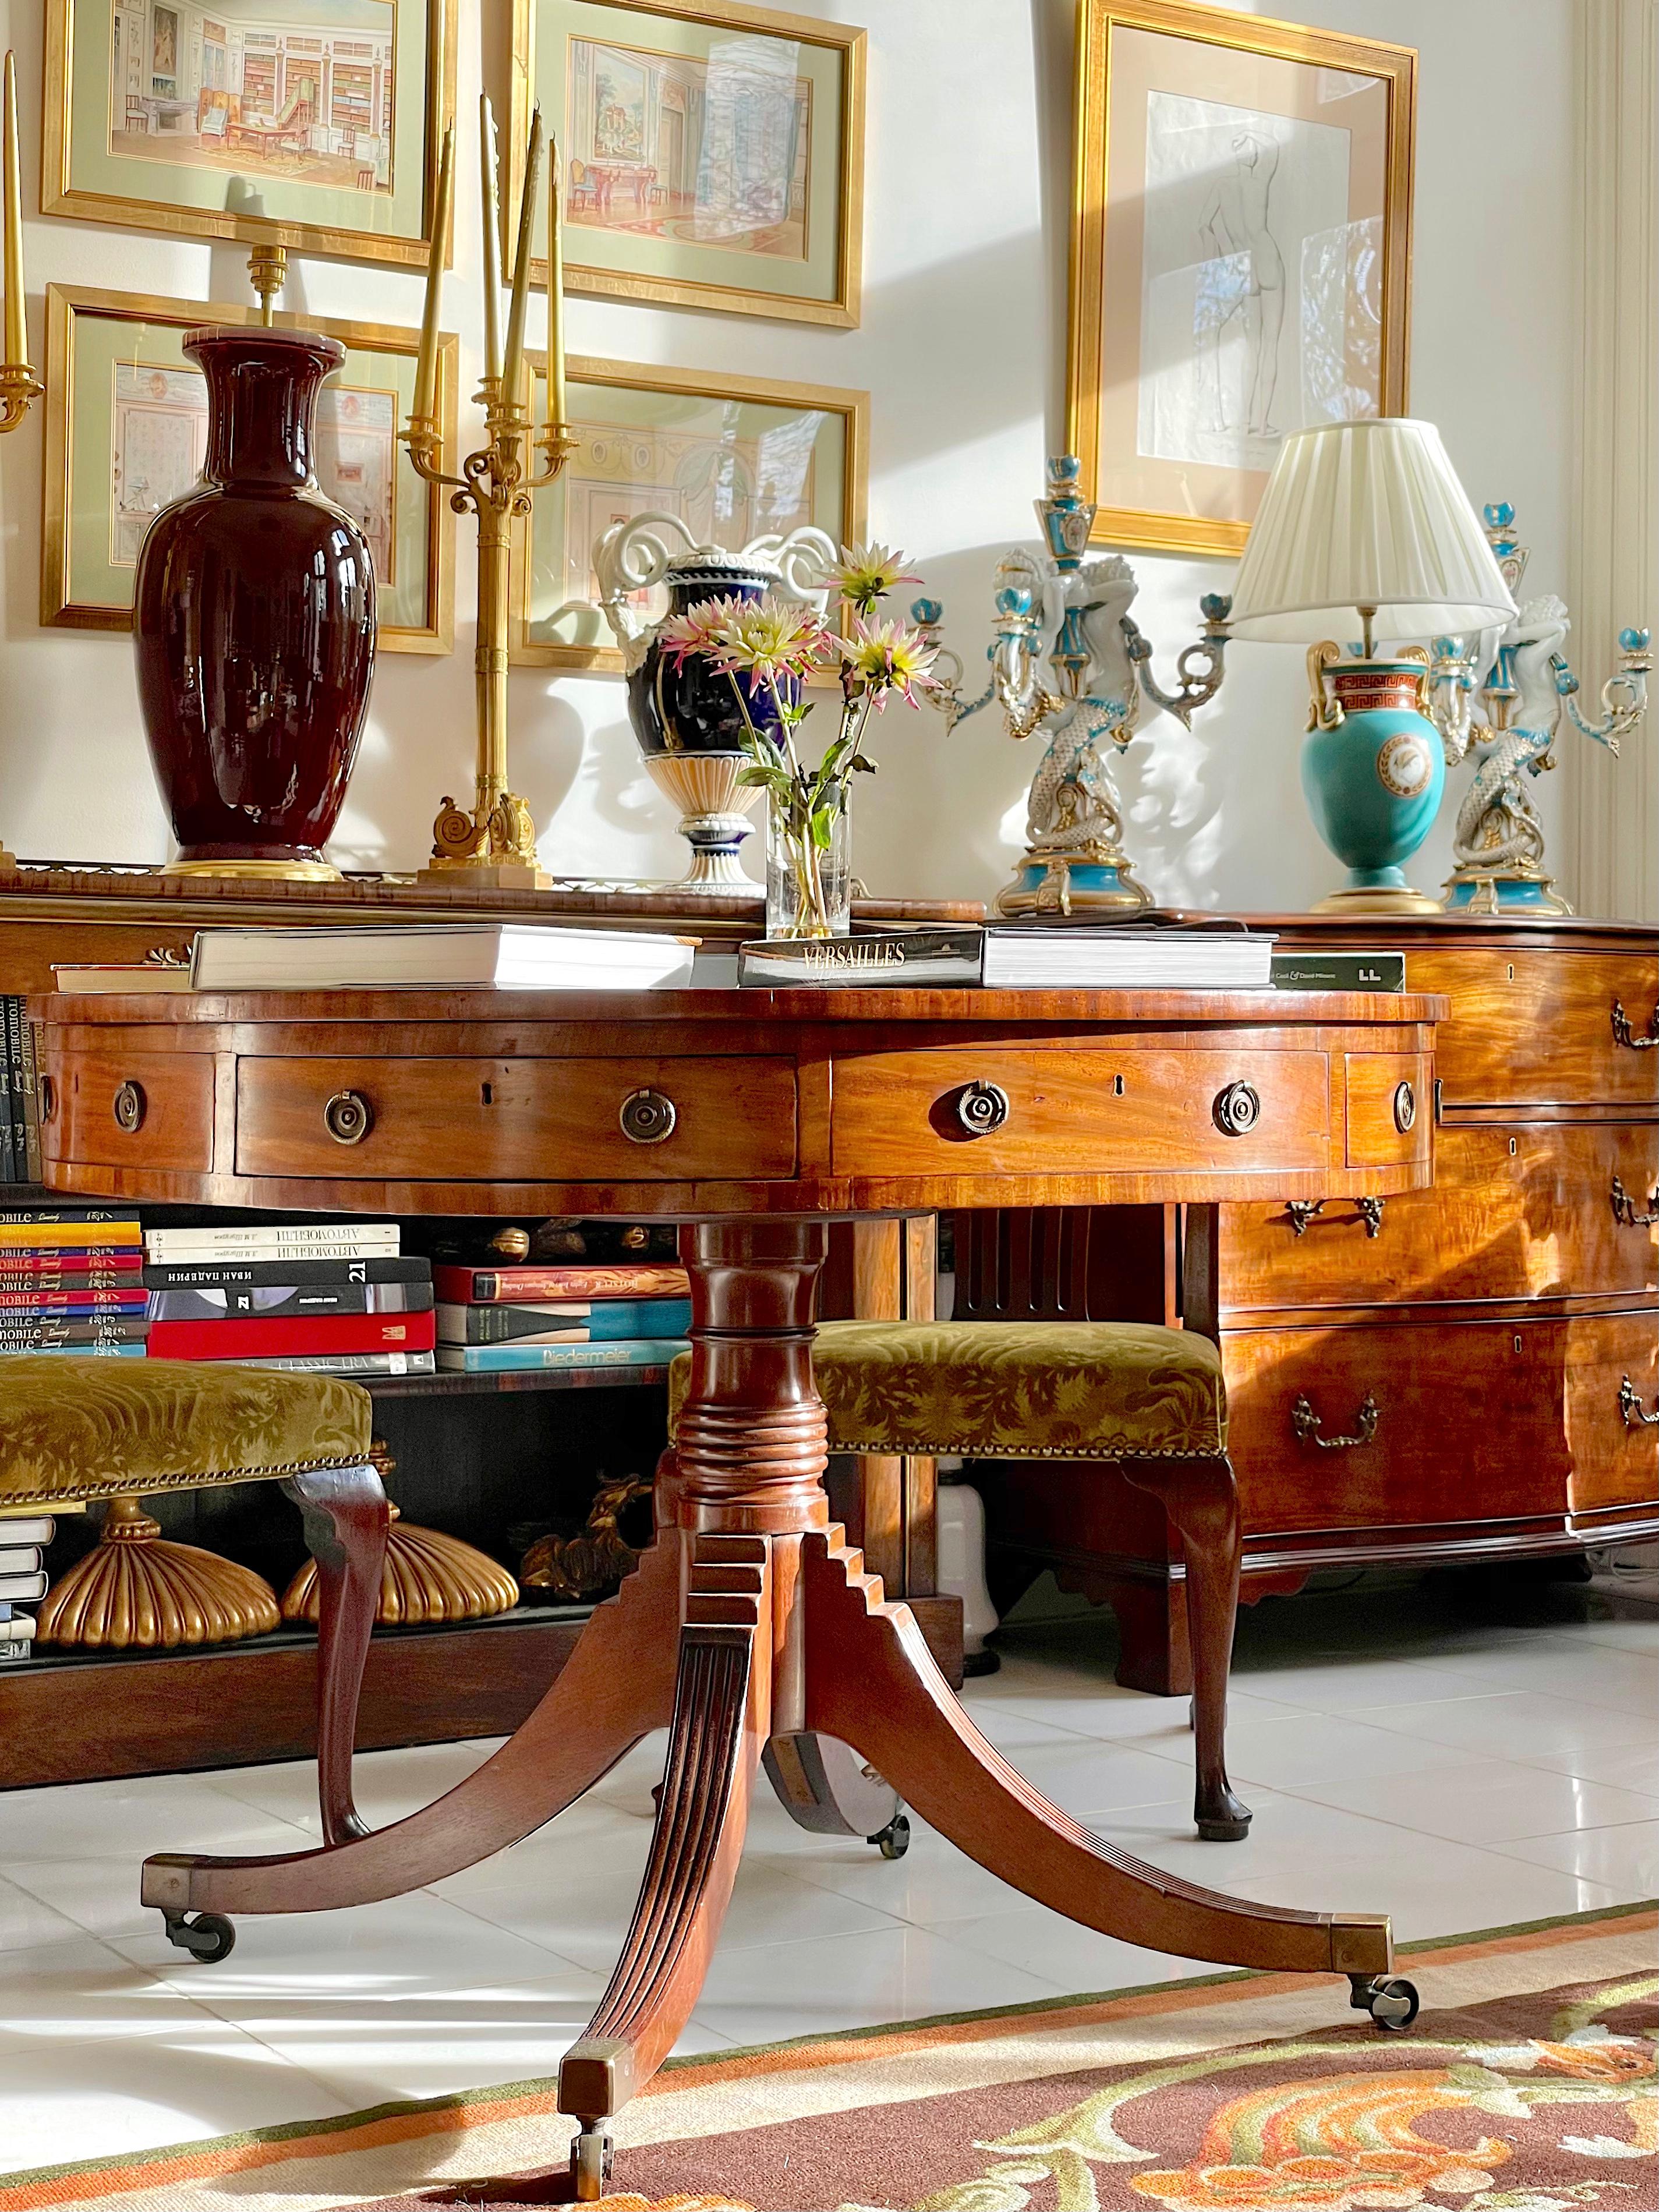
{"x":227,"y":1273}
{"x":319,"y":1240}
{"x":285,"y":1301}
{"x":90,"y":1300}
{"x":529,"y":1285}
{"x":263,"y":1337}
{"x":1177,"y":955}
{"x":601,"y":1321}
{"x":507,"y":1358}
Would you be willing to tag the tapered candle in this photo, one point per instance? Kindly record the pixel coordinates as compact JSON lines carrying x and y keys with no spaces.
{"x":426,"y":367}
{"x":558,"y":413}
{"x":513,"y":363}
{"x":17,"y":340}
{"x":489,"y":163}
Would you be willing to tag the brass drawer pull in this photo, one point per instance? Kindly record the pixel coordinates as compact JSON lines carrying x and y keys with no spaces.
{"x":128,"y":1107}
{"x":1635,"y":1413}
{"x":982,"y":1107}
{"x":647,"y":1117}
{"x":1405,"y":1107}
{"x":48,"y":1089}
{"x":1306,"y":1422}
{"x":1304,"y":1211}
{"x":1237,"y":1109}
{"x":1624,"y":1208}
{"x":348,"y":1117}
{"x":1623,"y":1034}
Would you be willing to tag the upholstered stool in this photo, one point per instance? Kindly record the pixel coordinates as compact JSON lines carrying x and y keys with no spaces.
{"x":1150,"y":1400}
{"x":121,"y":1430}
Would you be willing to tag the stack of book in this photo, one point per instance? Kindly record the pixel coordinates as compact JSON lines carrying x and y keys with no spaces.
{"x":335,"y":1295}
{"x":20,"y":1123}
{"x":23,"y":1540}
{"x":502,"y":1319}
{"x":71,"y":1279}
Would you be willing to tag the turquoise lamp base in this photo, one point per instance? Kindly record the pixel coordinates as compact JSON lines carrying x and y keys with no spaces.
{"x":1373,"y":770}
{"x":1528,"y":898}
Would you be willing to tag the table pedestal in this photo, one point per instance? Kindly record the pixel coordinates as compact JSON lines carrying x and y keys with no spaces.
{"x":752,"y":1631}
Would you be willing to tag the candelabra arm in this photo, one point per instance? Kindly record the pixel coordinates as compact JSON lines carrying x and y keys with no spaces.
{"x":424,"y":442}
{"x":1623,"y":696}
{"x":943,"y":690}
{"x":1200,"y":667}
{"x":1448,"y":696}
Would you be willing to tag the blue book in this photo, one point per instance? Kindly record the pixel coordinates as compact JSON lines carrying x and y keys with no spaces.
{"x":506,"y":1358}
{"x":74,"y":1352}
{"x":602,"y":1321}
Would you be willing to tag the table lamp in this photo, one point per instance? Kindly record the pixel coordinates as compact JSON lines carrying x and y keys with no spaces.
{"x":1368,"y":519}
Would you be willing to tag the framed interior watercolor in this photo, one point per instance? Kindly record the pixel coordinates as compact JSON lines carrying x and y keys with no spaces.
{"x":126,"y":432}
{"x":1241,"y":261}
{"x":315,"y":125}
{"x":713,"y":155}
{"x":735,"y":458}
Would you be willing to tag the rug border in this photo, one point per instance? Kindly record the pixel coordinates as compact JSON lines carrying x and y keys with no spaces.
{"x":408,"y":2118}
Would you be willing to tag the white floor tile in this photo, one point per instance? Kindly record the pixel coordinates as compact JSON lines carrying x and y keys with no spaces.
{"x":1592,"y":1673}
{"x":157,"y":1812}
{"x":1622,"y":1766}
{"x":1506,"y":1727}
{"x":1437,"y":1889}
{"x":388,"y":1785}
{"x":1080,"y":1960}
{"x":1487,"y":1801}
{"x":98,"y":1897}
{"x":28,"y":1920}
{"x":81,"y":1991}
{"x":1626,"y":1858}
{"x":1324,"y":1746}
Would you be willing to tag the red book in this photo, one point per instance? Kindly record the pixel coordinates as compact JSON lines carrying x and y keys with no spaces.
{"x":56,"y":1298}
{"x":248,"y":1337}
{"x":23,"y":1269}
{"x":488,"y":1286}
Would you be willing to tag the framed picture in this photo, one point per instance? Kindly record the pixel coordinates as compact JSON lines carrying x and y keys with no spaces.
{"x":712,"y":153}
{"x":1241,"y":262}
{"x":734,"y":458}
{"x":126,"y":432}
{"x":315,"y":125}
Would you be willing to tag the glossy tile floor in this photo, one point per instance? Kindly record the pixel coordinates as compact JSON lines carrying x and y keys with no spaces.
{"x":1460,"y":1755}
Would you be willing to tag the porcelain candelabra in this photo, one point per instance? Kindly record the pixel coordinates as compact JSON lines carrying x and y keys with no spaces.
{"x":685,"y":716}
{"x":1074,"y":862}
{"x":1508,"y":717}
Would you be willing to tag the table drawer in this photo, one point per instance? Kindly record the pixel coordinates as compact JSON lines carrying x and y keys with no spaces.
{"x":1542,"y":1210}
{"x":1127,"y":1112}
{"x":1408,"y":1424}
{"x":457,"y":1120}
{"x":1538,"y":1027}
{"x":130,"y":1109}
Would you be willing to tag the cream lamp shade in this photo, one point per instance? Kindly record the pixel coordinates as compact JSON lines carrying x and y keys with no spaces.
{"x":1366,"y":515}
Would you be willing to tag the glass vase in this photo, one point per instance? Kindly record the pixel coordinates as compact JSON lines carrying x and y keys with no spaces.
{"x":808,"y":886}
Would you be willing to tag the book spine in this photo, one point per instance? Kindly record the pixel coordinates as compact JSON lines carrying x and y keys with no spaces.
{"x":351,"y":1363}
{"x":1338,"y":971}
{"x":20,"y":1335}
{"x":504,"y":1359}
{"x":20,"y":1130}
{"x":23,"y":1589}
{"x":289,"y":1301}
{"x":71,"y":1271}
{"x":256,"y":1338}
{"x":87,"y":1351}
{"x":605,"y":1320}
{"x":286,"y":1274}
{"x":35,"y":1216}
{"x":11,"y":1169}
{"x":31,"y":1101}
{"x":79,"y":1236}
{"x":265,"y":1245}
{"x":46,"y":1301}
{"x":527,"y":1285}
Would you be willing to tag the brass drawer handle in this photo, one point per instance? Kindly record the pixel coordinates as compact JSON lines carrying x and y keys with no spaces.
{"x":1405,"y":1107}
{"x":1237,"y":1109}
{"x":1306,"y":1425}
{"x":1304,"y":1211}
{"x":1623,"y":1034}
{"x":1635,"y":1413}
{"x":647,"y":1117}
{"x":128,"y":1107}
{"x":1624,"y":1208}
{"x":982,"y":1107}
{"x":348,"y":1117}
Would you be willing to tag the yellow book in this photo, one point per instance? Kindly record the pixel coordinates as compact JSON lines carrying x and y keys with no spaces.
{"x":82,"y":1232}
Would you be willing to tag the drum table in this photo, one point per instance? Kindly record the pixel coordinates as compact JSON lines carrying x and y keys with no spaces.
{"x":749,"y":1628}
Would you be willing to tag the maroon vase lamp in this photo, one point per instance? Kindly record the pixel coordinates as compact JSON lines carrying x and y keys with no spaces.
{"x":253,"y":622}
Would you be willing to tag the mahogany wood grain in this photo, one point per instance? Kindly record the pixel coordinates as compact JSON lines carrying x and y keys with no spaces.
{"x":871,"y":1682}
{"x":347,"y":1520}
{"x":1536,"y":1027}
{"x":1522,"y":1211}
{"x":1390,"y":1100}
{"x":171,"y":1095}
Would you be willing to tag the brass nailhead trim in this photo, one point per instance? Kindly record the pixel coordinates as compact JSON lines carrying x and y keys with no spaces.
{"x":135,"y":1485}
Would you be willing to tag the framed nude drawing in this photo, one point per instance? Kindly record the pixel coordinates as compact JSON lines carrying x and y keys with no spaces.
{"x":310,"y":124}
{"x":126,"y":433}
{"x":734,"y":458}
{"x":713,"y":153}
{"x":1240,"y":260}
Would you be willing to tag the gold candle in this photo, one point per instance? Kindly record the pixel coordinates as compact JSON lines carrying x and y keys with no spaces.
{"x":558,"y":411}
{"x":426,"y":368}
{"x":489,"y":161}
{"x":513,"y":364}
{"x":17,"y":340}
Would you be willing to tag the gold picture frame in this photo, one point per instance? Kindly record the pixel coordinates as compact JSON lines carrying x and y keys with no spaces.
{"x":814,"y":278}
{"x":317,"y":144}
{"x":549,"y":555}
{"x":1208,"y":143}
{"x":142,"y":412}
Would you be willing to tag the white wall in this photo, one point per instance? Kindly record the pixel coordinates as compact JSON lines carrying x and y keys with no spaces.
{"x":962,"y":346}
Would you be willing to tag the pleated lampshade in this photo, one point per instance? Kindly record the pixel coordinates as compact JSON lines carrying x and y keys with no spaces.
{"x":1366,"y":514}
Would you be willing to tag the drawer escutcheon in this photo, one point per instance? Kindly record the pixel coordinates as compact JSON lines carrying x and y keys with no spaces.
{"x":128,"y":1107}
{"x":348,"y":1117}
{"x":647,"y":1117}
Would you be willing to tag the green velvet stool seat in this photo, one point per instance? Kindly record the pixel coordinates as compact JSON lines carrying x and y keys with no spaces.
{"x":117,"y":1430}
{"x":1150,"y":1400}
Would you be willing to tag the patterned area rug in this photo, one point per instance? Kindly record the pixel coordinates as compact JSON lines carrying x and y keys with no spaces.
{"x":1529,"y":2084}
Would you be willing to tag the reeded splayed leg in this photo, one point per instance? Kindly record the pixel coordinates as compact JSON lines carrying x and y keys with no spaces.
{"x":1201,"y":1497}
{"x":346,"y":1522}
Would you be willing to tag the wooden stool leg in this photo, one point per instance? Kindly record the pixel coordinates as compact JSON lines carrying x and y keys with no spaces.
{"x":346,"y":1522}
{"x":872,"y":1680}
{"x":1201,"y":1499}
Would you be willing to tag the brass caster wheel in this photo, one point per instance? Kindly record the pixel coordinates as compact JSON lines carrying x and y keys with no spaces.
{"x":1391,"y":2000}
{"x":590,"y":2152}
{"x":894,"y":1840}
{"x":208,"y":1937}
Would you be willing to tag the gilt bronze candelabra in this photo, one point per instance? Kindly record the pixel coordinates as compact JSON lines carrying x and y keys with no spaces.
{"x":18,"y":385}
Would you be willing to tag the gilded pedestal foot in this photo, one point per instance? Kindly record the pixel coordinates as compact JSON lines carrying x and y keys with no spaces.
{"x":138,"y":1592}
{"x":428,"y":1578}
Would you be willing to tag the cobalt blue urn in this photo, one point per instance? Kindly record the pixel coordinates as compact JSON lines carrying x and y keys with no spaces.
{"x":692,"y":708}
{"x":1373,"y":770}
